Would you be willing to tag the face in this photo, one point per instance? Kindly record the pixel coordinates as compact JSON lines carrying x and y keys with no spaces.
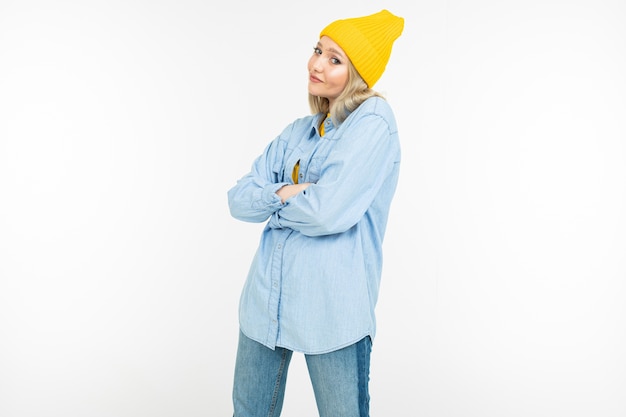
{"x":328,"y":70}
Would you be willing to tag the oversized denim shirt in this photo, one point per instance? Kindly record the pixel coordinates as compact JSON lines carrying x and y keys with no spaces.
{"x":314,"y":280}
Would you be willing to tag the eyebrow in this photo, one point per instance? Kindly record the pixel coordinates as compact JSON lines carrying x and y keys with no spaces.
{"x":333,"y":50}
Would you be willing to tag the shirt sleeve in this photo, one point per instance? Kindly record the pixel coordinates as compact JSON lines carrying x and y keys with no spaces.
{"x":350,"y":179}
{"x":254,"y":198}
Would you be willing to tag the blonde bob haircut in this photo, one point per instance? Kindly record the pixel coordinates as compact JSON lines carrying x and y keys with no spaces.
{"x":355,"y":93}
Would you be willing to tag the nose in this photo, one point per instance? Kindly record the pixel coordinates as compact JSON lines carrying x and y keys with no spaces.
{"x":316,"y":64}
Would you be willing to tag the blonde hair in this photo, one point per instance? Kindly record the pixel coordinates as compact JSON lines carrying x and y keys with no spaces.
{"x":355,"y":93}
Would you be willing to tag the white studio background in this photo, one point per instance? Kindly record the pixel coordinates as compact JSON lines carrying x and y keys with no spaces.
{"x":124,"y":123}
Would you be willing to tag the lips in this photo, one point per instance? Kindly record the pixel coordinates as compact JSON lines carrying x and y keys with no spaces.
{"x":314,"y":79}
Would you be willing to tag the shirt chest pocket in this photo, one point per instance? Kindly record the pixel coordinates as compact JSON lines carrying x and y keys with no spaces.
{"x":314,"y":170}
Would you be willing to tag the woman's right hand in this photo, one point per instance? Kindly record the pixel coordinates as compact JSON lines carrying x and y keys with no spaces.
{"x":289,"y":191}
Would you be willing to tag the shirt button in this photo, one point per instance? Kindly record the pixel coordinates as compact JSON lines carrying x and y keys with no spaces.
{"x":279,"y":246}
{"x":275,"y":284}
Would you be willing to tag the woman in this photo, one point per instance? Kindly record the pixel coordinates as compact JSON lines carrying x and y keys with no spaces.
{"x":326,"y":185}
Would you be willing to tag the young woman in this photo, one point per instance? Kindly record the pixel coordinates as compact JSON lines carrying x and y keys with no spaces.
{"x":325,"y":184}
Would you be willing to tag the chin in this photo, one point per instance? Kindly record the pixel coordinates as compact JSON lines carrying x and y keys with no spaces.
{"x":313,"y":92}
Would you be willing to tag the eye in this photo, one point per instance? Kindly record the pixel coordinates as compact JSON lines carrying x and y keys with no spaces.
{"x":317,"y":50}
{"x":335,"y":61}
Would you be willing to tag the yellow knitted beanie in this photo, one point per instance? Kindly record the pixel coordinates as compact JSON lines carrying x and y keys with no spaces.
{"x":367,"y":41}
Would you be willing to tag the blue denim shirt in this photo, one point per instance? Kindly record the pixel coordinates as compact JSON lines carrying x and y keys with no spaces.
{"x":314,"y":281}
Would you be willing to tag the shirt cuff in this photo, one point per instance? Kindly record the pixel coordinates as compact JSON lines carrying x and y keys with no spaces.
{"x":274,"y":222}
{"x":269,"y":194}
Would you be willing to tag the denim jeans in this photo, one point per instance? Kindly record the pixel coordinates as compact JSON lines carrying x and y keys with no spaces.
{"x":340,"y":379}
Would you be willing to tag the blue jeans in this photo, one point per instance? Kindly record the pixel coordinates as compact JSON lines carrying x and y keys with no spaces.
{"x":340,"y":379}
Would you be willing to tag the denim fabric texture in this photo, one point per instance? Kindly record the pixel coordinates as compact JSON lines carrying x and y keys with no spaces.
{"x":314,"y":281}
{"x":340,"y":379}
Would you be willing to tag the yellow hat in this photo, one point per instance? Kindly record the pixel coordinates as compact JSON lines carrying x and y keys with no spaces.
{"x":367,"y":41}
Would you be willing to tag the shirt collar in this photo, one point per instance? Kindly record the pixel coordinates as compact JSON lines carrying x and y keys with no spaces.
{"x":328,"y":126}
